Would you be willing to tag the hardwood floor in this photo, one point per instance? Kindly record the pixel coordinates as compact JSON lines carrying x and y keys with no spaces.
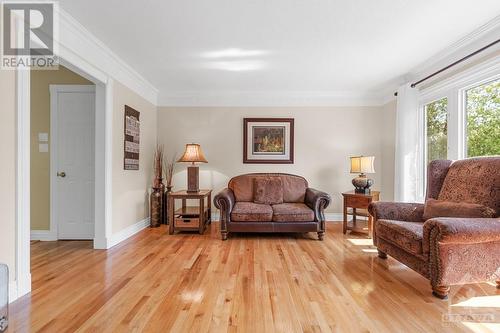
{"x":154,"y":282}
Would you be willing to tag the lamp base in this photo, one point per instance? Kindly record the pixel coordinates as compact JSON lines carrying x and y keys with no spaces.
{"x":193,"y":179}
{"x":362,"y":184}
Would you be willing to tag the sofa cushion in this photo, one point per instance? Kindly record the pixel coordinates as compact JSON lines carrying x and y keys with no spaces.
{"x":294,"y":187}
{"x":292,"y":212}
{"x":438,"y":208}
{"x":268,"y":190}
{"x":251,"y":212}
{"x":474,"y":180}
{"x":406,"y":235}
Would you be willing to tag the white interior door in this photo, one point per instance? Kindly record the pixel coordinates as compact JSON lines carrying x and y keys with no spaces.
{"x":72,"y":161}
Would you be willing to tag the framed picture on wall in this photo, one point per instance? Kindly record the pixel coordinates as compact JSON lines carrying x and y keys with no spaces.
{"x":131,"y":138}
{"x":268,"y":140}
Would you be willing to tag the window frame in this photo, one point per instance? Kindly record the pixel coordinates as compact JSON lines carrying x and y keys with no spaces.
{"x":455,"y":90}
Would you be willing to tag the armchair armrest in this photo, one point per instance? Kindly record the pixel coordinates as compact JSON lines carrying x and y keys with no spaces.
{"x":317,"y":201}
{"x":401,"y":211}
{"x":462,"y":230}
{"x":461,"y":250}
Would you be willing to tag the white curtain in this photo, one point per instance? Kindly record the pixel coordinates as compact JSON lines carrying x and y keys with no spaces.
{"x":407,"y":147}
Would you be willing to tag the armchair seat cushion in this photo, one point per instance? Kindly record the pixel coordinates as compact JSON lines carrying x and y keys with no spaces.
{"x":251,"y":212}
{"x":292,"y":212}
{"x":406,"y":235}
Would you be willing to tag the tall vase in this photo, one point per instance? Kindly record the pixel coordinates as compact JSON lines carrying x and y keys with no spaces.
{"x":165,"y":205}
{"x":155,"y":203}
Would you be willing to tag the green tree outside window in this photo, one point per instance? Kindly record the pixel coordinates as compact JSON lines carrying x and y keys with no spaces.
{"x":483,"y":120}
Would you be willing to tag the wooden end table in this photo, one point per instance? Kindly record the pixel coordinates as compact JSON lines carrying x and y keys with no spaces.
{"x":189,"y":218}
{"x":356,"y":204}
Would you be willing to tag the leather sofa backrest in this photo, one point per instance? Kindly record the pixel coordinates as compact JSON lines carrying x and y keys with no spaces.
{"x":473,"y":180}
{"x":294,"y":187}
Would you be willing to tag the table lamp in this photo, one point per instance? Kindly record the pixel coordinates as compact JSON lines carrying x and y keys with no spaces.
{"x":362,"y":165}
{"x":193,"y":154}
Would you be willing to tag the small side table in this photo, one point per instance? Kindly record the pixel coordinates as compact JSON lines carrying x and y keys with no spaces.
{"x":356,"y":204}
{"x":189,"y":218}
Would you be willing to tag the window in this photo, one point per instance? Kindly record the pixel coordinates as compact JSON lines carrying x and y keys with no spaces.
{"x":436,"y":114}
{"x":459,"y":117}
{"x":483,"y":119}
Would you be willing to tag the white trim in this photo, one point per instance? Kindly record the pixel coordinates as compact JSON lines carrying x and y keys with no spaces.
{"x":476,"y":39}
{"x":334,"y":217}
{"x":54,"y":90}
{"x":269,"y":99}
{"x":77,"y":45}
{"x":43,"y":235}
{"x":128,"y":232}
{"x":22,"y":269}
{"x":12,"y":291}
{"x":473,"y":41}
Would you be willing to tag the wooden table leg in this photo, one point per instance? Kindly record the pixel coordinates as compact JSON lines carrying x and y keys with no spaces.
{"x":202,"y":216}
{"x":344,"y":224}
{"x":209,"y":208}
{"x":354,"y":218}
{"x":171,"y":210}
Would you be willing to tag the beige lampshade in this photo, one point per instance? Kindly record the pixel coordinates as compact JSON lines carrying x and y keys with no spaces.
{"x":193,"y":154}
{"x":362,"y":164}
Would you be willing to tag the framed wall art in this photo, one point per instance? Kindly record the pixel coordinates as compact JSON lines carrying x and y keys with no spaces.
{"x":132,"y":135}
{"x":268,"y":140}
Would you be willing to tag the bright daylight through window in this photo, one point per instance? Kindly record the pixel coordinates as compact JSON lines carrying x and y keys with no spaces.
{"x":483,"y":120}
{"x":436,"y":129}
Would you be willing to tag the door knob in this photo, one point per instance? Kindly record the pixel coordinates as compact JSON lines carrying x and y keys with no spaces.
{"x":61,"y":174}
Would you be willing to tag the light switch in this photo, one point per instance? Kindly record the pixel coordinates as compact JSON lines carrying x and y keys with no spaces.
{"x":43,"y":137}
{"x":43,"y":147}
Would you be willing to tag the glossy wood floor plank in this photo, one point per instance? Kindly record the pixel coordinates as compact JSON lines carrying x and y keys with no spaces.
{"x":154,"y":282}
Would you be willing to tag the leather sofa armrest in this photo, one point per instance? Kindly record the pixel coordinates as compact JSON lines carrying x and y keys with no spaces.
{"x":317,"y":201}
{"x":224,"y":200}
{"x":462,"y":230}
{"x":401,"y":211}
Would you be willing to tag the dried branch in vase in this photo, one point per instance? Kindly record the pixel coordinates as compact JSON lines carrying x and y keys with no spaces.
{"x":169,"y":171}
{"x":158,"y":166}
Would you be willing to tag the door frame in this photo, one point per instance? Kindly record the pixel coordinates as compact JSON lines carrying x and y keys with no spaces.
{"x":55,"y":89}
{"x":103,"y":162}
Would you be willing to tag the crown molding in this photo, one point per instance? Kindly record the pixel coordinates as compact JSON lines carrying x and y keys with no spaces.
{"x":76,"y":41}
{"x":473,"y":41}
{"x":271,"y":99}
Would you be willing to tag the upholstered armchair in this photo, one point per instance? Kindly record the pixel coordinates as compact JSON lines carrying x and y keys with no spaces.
{"x":464,"y":246}
{"x":271,"y":202}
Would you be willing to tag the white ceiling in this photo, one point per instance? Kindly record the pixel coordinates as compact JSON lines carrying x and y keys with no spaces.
{"x":232,"y":46}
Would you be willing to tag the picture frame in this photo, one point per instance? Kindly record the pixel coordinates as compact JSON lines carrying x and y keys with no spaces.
{"x":131,"y":138}
{"x":268,"y":140}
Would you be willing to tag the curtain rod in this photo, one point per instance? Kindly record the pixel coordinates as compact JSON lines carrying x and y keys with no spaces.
{"x":413,"y":85}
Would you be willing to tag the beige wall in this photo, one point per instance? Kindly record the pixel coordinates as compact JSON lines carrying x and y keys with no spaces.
{"x":40,"y":123}
{"x":325,"y":137}
{"x":8,"y":170}
{"x":130,"y":188}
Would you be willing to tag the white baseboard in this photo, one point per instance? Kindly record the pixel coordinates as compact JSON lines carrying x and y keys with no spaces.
{"x":334,"y":217}
{"x":129,"y":231}
{"x":43,"y":235}
{"x":12,"y":291}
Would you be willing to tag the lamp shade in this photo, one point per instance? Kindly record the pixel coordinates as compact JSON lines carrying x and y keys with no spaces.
{"x":193,"y":153}
{"x":362,"y":164}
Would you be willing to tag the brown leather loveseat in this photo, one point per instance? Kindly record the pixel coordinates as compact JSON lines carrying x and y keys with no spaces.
{"x":454,"y":238}
{"x":271,"y":202}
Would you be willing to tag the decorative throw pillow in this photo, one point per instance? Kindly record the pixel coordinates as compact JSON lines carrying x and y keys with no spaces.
{"x":440,"y":208}
{"x":268,"y":190}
